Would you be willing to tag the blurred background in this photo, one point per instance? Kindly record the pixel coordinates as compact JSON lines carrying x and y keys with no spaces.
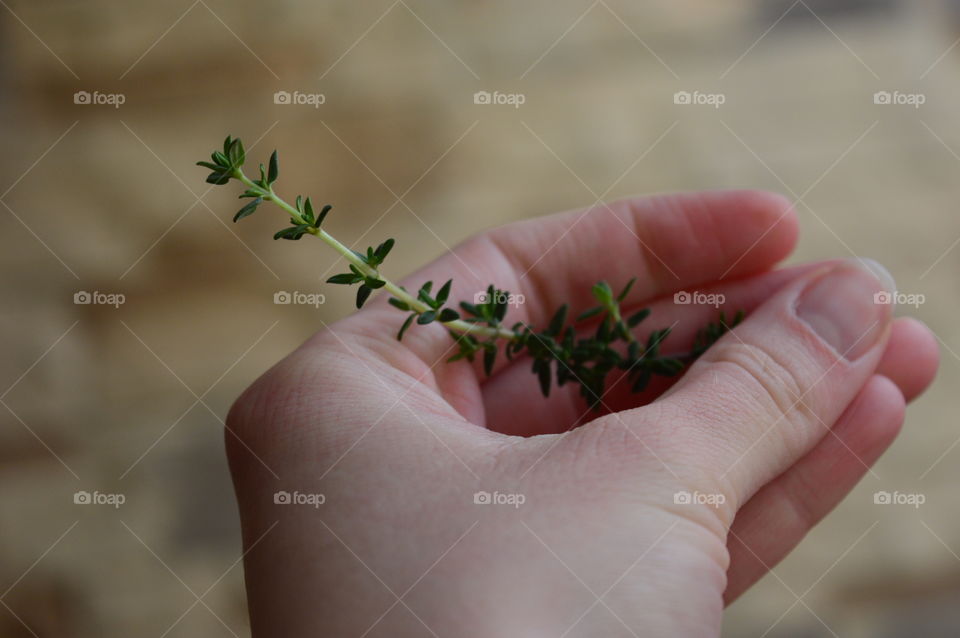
{"x":134,"y":312}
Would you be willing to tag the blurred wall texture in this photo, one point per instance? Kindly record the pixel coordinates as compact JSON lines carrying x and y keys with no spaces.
{"x":103,"y":198}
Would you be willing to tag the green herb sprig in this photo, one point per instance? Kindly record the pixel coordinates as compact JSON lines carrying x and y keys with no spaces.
{"x":557,"y":352}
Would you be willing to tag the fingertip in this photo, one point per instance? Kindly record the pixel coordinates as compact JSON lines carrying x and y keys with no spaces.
{"x":912,"y":357}
{"x":775,"y":213}
{"x":886,"y":403}
{"x":768,"y":219}
{"x":926,"y":352}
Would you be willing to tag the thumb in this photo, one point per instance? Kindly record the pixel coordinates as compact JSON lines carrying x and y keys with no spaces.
{"x":764,"y":394}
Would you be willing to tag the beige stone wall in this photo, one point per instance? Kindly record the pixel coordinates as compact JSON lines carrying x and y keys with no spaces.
{"x":113,"y":207}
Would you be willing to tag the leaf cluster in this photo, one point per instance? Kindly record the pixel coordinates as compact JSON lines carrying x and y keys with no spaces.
{"x":372,"y":258}
{"x":225,"y":163}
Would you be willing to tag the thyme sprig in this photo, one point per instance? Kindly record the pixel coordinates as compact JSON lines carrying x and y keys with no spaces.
{"x":558,"y":352}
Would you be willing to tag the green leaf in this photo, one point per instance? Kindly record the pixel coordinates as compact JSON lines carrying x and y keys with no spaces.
{"x":397,"y":303}
{"x":424,"y":295}
{"x":293,"y":232}
{"x":363,"y":293}
{"x":626,"y":290}
{"x":444,"y":292}
{"x":603,"y":294}
{"x":374,"y":283}
{"x":500,"y":308}
{"x":449,"y":314}
{"x":667,"y":367}
{"x":308,"y":212}
{"x":220,"y":159}
{"x":655,"y":339}
{"x":210,"y":165}
{"x":426,"y":317}
{"x":603,"y":330}
{"x":247,"y":210}
{"x":345,"y":278}
{"x":638,"y":317}
{"x":236,"y":152}
{"x":592,"y":312}
{"x":322,"y":215}
{"x":559,"y":317}
{"x":489,"y":357}
{"x":274,"y":171}
{"x":406,"y":324}
{"x":543,"y":375}
{"x":218,"y":178}
{"x":641,"y":382}
{"x":383,"y":250}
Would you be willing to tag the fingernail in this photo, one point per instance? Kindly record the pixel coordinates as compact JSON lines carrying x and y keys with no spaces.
{"x":850,"y":306}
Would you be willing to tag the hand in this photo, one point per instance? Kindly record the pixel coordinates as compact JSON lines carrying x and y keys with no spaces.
{"x":765,"y":434}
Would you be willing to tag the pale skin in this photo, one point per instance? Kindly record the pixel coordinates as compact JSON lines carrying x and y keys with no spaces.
{"x":779,"y":421}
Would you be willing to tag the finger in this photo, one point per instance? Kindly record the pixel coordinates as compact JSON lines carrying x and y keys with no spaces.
{"x":512,"y":397}
{"x":911,"y":358}
{"x":777,"y":518}
{"x":759,"y":398}
{"x":668,"y":243}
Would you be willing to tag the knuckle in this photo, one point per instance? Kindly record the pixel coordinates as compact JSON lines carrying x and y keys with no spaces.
{"x":775,"y":387}
{"x":266,"y":412}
